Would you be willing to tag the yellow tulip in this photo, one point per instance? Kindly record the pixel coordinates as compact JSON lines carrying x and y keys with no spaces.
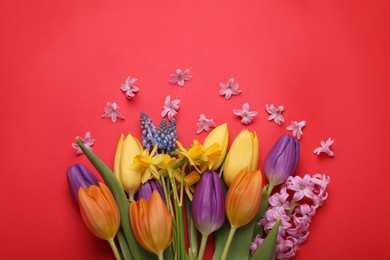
{"x":243,"y":153}
{"x":243,"y":197}
{"x":99,"y":211}
{"x":126,"y":150}
{"x":220,"y":136}
{"x":151,"y":223}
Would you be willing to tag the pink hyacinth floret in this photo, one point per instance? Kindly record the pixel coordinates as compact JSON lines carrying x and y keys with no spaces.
{"x":179,"y":77}
{"x":87,"y":141}
{"x":129,"y":88}
{"x":204,"y":124}
{"x":170,"y":108}
{"x":112,"y":111}
{"x":304,"y":196}
{"x":325,"y":147}
{"x":229,"y":89}
{"x":275,"y":113}
{"x":296,"y":128}
{"x":246,"y":115}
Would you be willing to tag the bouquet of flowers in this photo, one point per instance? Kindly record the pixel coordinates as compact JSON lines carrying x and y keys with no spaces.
{"x":160,"y":194}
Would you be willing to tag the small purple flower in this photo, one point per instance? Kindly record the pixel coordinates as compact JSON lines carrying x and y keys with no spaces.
{"x":246,"y":115}
{"x":280,"y":199}
{"x":204,"y":124}
{"x":325,"y":147}
{"x":208,"y":204}
{"x":302,"y":187}
{"x":229,"y":89}
{"x":170,"y":108}
{"x":275,"y":113}
{"x":286,"y":248}
{"x":87,"y":141}
{"x":112,"y":111}
{"x":146,"y":189}
{"x":129,"y":88}
{"x":281,"y":161}
{"x":256,"y":243}
{"x":179,"y":77}
{"x":296,"y":128}
{"x":272,"y":215}
{"x":79,"y":176}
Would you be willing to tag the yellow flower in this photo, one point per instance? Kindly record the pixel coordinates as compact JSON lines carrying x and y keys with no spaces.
{"x":166,"y":165}
{"x":146,"y":164}
{"x":188,"y":181}
{"x":126,"y":150}
{"x":219,"y":135}
{"x":243,"y":153}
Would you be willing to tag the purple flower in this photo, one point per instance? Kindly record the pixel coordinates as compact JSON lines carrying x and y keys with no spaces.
{"x":286,"y":248}
{"x":208,"y":204}
{"x":146,"y":189}
{"x":112,"y":111}
{"x":280,"y":199}
{"x":129,"y":88}
{"x":272,"y":215}
{"x":303,"y":187}
{"x":229,"y":89}
{"x":204,"y":124}
{"x":325,"y":147}
{"x":256,"y":243}
{"x":246,"y":115}
{"x":79,"y":176}
{"x":87,"y":141}
{"x":296,"y":128}
{"x":179,"y":77}
{"x":170,"y":108}
{"x":281,"y":161}
{"x":275,"y":113}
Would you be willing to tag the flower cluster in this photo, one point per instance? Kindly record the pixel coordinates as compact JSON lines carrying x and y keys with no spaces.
{"x":295,"y":205}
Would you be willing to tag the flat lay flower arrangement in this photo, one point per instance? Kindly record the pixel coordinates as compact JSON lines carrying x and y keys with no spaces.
{"x":160,"y":196}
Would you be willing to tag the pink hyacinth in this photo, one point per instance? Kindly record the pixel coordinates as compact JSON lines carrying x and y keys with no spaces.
{"x":303,"y":196}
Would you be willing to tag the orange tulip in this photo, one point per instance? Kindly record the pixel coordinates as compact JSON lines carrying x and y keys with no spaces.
{"x":243,"y":197}
{"x":151,"y":223}
{"x":99,"y":211}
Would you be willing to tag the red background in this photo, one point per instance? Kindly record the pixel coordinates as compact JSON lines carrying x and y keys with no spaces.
{"x":327,"y":62}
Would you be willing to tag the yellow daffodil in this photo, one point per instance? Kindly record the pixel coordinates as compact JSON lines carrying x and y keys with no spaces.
{"x":188,"y":181}
{"x":146,"y":164}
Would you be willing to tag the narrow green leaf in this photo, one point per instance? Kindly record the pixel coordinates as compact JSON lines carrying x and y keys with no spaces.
{"x":123,"y":245}
{"x":117,"y":191}
{"x":267,"y":249}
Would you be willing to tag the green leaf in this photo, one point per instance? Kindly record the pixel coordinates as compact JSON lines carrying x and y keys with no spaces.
{"x":120,"y":197}
{"x":267,"y":249}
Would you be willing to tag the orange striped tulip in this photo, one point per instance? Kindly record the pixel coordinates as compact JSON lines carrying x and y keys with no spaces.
{"x":151,"y":223}
{"x":99,"y":211}
{"x":243,"y":197}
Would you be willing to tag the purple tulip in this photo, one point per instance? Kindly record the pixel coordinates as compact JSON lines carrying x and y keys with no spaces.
{"x":79,"y":176}
{"x":146,"y":189}
{"x":208,"y":204}
{"x":281,"y":161}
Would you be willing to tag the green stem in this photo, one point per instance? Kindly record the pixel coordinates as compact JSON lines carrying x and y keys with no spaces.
{"x":123,"y":245}
{"x":202,"y":246}
{"x":182,"y":184}
{"x":114,"y":249}
{"x":131,"y":197}
{"x":174,"y":187}
{"x":228,"y":242}
{"x":191,"y":231}
{"x":160,"y":256}
{"x":292,"y":207}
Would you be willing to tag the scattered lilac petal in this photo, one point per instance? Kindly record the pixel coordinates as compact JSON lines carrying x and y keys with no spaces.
{"x":112,"y":111}
{"x":229,"y":89}
{"x":246,"y":115}
{"x":296,"y":128}
{"x":129,"y":88}
{"x":170,"y":108}
{"x":179,"y":77}
{"x":204,"y":124}
{"x":275,"y":113}
{"x":325,"y":148}
{"x":87,"y":141}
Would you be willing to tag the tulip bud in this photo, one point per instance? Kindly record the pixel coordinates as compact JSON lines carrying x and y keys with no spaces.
{"x":99,"y":211}
{"x":243,"y":197}
{"x":151,"y":223}
{"x":219,"y":135}
{"x":146,"y":189}
{"x":208,"y":212}
{"x":281,"y":161}
{"x":79,"y":176}
{"x":126,"y":150}
{"x":244,"y":153}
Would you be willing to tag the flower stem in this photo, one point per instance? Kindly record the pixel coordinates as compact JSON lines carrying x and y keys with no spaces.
{"x":202,"y":246}
{"x":131,"y":197}
{"x":114,"y":249}
{"x":160,"y":256}
{"x":228,"y":242}
{"x":292,"y":207}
